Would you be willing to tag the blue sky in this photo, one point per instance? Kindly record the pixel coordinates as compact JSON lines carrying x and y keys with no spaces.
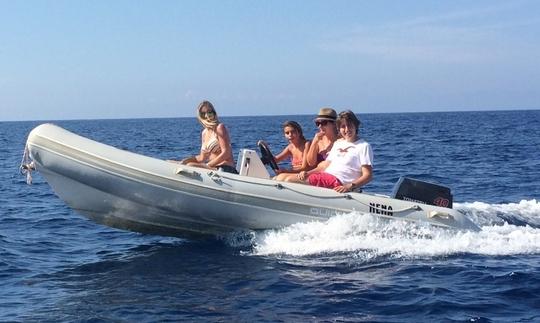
{"x":131,"y":59}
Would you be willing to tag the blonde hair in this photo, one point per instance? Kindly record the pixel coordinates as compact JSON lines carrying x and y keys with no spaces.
{"x":209,"y":124}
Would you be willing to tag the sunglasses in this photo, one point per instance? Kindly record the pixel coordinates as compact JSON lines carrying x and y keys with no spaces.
{"x":207,"y":113}
{"x":322,"y":123}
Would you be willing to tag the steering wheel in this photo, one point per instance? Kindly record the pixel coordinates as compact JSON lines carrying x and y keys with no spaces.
{"x":266,"y":155}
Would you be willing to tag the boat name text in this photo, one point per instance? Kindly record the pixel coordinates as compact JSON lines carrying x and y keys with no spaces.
{"x":376,"y":208}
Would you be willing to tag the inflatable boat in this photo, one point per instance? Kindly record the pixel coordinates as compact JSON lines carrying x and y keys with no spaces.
{"x":125,"y":190}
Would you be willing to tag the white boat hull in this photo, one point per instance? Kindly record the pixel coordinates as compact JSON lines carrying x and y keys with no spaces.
{"x":129,"y":191}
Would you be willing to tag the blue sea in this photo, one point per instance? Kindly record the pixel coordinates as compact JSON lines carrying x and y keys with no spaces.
{"x":57,"y":266}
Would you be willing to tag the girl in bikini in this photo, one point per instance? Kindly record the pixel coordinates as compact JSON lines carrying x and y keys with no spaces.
{"x":216,"y":150}
{"x":321,"y":144}
{"x":295,"y":150}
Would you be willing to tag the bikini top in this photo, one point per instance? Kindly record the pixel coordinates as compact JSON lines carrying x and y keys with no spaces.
{"x":295,"y":162}
{"x":212,"y":145}
{"x":322,"y":155}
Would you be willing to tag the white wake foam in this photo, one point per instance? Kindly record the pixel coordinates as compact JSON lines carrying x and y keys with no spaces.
{"x":525,"y":212}
{"x":368,"y":236}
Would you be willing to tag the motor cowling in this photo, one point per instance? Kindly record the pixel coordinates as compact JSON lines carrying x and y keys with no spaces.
{"x":414,"y":190}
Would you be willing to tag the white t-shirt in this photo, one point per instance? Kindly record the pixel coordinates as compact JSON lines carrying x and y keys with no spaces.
{"x":347,"y":158}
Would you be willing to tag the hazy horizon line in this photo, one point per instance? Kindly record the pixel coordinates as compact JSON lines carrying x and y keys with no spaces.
{"x":278,"y":115}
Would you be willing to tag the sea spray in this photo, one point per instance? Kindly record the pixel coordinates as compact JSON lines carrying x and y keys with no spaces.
{"x":367,"y":237}
{"x":526,"y":212}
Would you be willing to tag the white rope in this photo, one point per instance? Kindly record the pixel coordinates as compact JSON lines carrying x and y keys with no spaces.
{"x":345,"y":196}
{"x":280,"y":186}
{"x":27,"y":165}
{"x":340,"y":196}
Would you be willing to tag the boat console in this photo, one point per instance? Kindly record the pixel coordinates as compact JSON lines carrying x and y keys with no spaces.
{"x":249,"y":164}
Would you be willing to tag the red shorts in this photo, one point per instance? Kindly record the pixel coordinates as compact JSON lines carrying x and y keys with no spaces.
{"x":323,"y":179}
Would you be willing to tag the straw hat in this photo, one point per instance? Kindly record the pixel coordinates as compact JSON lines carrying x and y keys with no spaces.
{"x":327,"y":114}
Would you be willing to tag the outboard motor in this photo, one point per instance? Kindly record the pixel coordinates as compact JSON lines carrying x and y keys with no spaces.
{"x":409,"y":189}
